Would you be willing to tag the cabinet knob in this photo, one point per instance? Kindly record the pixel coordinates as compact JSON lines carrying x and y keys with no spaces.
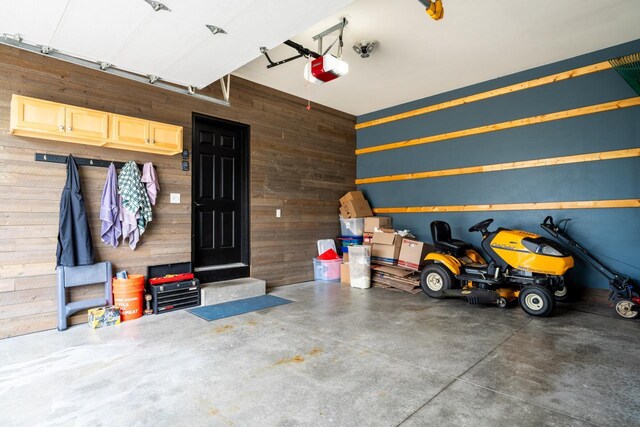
{"x":70,"y":129}
{"x":153,"y":141}
{"x":61,"y":127}
{"x":146,"y":140}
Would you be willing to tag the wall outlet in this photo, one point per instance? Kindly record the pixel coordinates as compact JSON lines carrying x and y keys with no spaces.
{"x":175,"y":198}
{"x":278,"y":213}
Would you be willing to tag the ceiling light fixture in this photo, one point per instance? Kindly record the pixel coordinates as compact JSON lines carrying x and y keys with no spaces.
{"x":216,"y":30}
{"x":157,"y":6}
{"x":364,"y":48}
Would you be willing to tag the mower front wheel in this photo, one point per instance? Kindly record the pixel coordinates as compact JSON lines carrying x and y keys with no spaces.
{"x":435,"y":279}
{"x":537,"y":300}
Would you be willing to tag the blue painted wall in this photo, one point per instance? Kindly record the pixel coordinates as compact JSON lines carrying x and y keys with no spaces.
{"x":612,"y":233}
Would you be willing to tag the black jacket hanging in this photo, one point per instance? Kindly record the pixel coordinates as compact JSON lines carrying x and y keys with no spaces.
{"x":75,"y":246}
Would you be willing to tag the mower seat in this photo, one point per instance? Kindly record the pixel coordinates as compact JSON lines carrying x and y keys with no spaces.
{"x":441,"y":235}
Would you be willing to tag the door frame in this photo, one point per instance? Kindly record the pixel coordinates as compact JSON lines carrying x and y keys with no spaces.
{"x":219,"y":274}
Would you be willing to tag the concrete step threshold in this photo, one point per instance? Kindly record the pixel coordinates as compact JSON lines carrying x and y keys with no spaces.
{"x":231,"y":290}
{"x":220,"y":267}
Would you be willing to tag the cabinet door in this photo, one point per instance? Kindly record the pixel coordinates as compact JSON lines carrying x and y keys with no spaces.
{"x":87,"y":124}
{"x":38,"y":116}
{"x":166,"y":138}
{"x":129,"y":131}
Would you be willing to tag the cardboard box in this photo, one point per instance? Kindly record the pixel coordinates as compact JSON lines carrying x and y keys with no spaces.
{"x":104,"y":316}
{"x":355,"y":209}
{"x":412,"y":253}
{"x":351,"y":195}
{"x":345,"y":275}
{"x":385,"y":254}
{"x":385,"y":248}
{"x":394,"y":271}
{"x":373,"y":222}
{"x":386,"y":238}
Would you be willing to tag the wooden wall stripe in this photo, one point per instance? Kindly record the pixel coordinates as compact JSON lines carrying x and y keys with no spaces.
{"x":592,"y":204}
{"x":552,"y":161}
{"x":490,"y":94}
{"x":559,"y":115}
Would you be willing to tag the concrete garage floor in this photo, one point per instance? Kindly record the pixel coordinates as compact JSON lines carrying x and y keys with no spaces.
{"x":337,"y":356}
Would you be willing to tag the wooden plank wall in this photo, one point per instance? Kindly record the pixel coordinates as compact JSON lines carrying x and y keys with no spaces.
{"x":301,"y":162}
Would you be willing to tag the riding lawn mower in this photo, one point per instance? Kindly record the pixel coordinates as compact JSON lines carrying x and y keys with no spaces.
{"x":522,"y":266}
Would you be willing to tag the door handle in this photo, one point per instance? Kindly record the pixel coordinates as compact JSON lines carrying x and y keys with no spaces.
{"x":196,"y":204}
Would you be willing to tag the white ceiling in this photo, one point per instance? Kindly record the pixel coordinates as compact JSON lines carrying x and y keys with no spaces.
{"x":476,"y":41}
{"x":176,"y":45}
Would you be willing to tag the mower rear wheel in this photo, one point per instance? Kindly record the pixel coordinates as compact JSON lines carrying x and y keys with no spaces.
{"x":536,"y":300}
{"x":434,"y":279}
{"x":623,"y":308}
{"x":562,"y":294}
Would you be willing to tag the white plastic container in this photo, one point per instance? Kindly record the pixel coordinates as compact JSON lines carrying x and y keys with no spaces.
{"x":326,"y":244}
{"x":353,"y":227}
{"x":360,"y":266}
{"x":326,"y":271}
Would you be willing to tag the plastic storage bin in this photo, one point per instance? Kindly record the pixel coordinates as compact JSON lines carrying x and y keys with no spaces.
{"x":360,"y":266}
{"x":326,"y":271}
{"x":326,"y":244}
{"x":352,"y":227}
{"x":349,"y":241}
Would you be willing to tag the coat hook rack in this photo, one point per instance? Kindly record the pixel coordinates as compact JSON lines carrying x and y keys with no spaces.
{"x":81,"y":161}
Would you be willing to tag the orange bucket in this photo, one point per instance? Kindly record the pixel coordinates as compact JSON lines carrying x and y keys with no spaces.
{"x":128,"y":294}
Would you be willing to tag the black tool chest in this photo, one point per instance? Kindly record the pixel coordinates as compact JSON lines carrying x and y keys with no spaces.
{"x":176,"y":295}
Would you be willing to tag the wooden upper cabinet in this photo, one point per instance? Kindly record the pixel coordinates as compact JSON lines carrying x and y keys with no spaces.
{"x":38,"y":116}
{"x":142,"y":135}
{"x":82,"y":122}
{"x":51,"y":120}
{"x":129,"y":131}
{"x":165,"y":137}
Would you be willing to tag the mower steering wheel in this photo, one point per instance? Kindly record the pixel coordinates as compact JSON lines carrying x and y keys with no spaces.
{"x":481,"y":226}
